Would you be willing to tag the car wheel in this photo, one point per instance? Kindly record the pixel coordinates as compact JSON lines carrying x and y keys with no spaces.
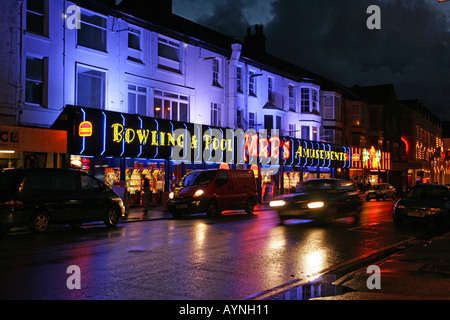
{"x":394,"y":196}
{"x":367,"y":199}
{"x":112,"y":216}
{"x":213,"y":209}
{"x":250,"y":206}
{"x":40,"y":222}
{"x":384,"y":197}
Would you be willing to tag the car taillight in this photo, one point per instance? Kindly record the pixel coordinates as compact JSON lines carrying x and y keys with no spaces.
{"x":12,"y":205}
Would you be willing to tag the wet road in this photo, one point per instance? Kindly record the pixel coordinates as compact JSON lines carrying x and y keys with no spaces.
{"x":231,"y":257}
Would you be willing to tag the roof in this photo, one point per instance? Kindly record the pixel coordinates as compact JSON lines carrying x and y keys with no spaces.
{"x":162,"y":20}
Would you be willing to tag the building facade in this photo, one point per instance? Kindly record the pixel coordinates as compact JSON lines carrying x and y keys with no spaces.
{"x":70,"y":59}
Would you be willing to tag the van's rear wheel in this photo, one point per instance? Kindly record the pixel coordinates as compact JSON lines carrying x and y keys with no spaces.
{"x":213,"y":209}
{"x":40,"y":222}
{"x":250,"y":206}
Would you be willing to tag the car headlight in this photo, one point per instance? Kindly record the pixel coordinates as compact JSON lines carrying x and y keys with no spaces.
{"x":198,"y":193}
{"x":315,"y":205}
{"x":400,"y":206}
{"x":277,"y":203}
{"x":171,"y":195}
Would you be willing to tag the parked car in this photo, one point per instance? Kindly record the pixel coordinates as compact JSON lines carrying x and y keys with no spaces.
{"x":38,"y":197}
{"x":320,"y":199}
{"x":213,"y":191}
{"x":381,"y":191}
{"x":424,"y":202}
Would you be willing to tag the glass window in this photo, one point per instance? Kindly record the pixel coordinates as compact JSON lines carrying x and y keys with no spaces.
{"x":34,"y":80}
{"x":270,"y":88}
{"x":137,"y":100}
{"x":169,"y":55}
{"x":252,"y":84}
{"x":134,"y":39}
{"x":252,"y":120}
{"x":171,"y":106}
{"x":91,"y":89}
{"x":215,"y":114}
{"x":92,"y":31}
{"x":291,"y":99}
{"x":36,"y":181}
{"x":36,"y":16}
{"x":90,"y":183}
{"x":305,"y":133}
{"x":305,"y":97}
{"x":215,"y":72}
{"x":65,"y":182}
{"x":239,"y":79}
{"x":268,"y":123}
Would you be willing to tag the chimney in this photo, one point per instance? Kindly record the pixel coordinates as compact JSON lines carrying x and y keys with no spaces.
{"x":255,"y":43}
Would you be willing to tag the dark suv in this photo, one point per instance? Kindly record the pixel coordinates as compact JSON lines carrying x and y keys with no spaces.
{"x":38,"y":197}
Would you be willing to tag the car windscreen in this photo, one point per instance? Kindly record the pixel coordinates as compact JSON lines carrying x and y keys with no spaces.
{"x":319,"y":186}
{"x":197,"y":178}
{"x":429,"y":193}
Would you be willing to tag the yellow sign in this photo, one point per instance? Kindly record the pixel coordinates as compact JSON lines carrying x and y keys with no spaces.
{"x":85,"y":129}
{"x":320,"y":154}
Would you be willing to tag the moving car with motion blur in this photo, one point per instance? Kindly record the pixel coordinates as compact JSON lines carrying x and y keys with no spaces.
{"x":39,"y":197}
{"x":381,"y":191}
{"x":424,"y":202}
{"x":213,"y":191}
{"x":321,"y":200}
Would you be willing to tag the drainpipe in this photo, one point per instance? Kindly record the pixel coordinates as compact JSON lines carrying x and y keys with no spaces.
{"x":232,"y":90}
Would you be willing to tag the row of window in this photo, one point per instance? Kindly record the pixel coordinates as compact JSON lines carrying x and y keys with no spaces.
{"x":93,"y":34}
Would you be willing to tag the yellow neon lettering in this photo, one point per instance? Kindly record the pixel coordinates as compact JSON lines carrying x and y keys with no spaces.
{"x":129,"y":135}
{"x":117,"y":132}
{"x":208,"y":140}
{"x":143,"y":135}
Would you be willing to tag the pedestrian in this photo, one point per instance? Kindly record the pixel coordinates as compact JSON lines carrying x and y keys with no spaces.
{"x":146,"y":195}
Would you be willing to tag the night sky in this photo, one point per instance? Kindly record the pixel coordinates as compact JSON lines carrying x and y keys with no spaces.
{"x":329,"y":37}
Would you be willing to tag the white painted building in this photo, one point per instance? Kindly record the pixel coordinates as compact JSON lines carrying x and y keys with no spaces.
{"x":114,"y":61}
{"x":149,"y":62}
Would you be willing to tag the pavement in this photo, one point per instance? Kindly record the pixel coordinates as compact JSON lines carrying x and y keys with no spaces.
{"x":419,"y":270}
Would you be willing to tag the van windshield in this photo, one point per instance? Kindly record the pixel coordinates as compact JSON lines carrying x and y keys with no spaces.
{"x":196,"y":178}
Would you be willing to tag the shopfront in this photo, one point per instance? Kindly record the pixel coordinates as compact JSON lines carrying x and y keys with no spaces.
{"x":124,"y":148}
{"x":25,"y":147}
{"x":370,"y":166}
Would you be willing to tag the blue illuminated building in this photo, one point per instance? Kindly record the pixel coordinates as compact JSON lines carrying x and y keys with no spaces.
{"x":151,"y":64}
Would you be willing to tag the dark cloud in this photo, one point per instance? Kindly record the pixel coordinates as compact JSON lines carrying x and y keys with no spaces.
{"x":228,"y":18}
{"x":410,"y":50}
{"x":331,"y":38}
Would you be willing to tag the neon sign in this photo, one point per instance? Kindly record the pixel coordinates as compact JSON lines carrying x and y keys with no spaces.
{"x":85,"y":129}
{"x":113,"y":134}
